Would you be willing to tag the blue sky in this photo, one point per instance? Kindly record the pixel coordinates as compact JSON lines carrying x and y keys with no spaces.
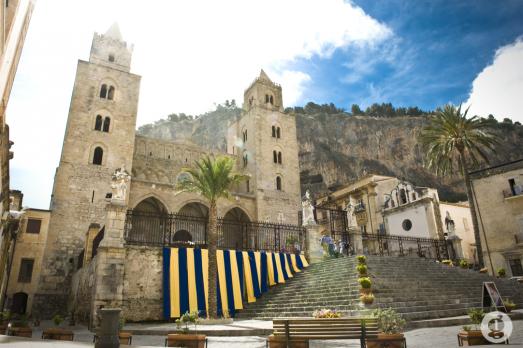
{"x":438,"y":49}
{"x":196,"y":53}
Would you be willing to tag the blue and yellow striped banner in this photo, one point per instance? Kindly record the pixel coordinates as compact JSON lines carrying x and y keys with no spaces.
{"x":242,"y":275}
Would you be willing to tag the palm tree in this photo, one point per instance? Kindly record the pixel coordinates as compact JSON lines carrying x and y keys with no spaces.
{"x":452,"y":138}
{"x":213,"y":178}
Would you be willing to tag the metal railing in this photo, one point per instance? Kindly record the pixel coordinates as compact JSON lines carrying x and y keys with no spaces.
{"x":143,"y":228}
{"x":393,"y":245}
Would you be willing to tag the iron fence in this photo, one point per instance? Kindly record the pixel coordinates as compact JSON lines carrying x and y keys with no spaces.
{"x":393,"y":245}
{"x":143,"y":228}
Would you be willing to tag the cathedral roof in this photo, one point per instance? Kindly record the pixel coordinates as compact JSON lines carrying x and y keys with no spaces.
{"x":264,"y":76}
{"x":114,"y":32}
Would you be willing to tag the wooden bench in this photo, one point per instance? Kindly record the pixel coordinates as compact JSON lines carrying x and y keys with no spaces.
{"x":296,"y":332}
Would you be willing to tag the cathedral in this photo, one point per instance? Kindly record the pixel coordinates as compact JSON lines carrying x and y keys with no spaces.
{"x":100,"y":138}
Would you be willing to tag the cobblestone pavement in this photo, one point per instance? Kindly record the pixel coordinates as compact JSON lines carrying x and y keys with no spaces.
{"x":443,"y":337}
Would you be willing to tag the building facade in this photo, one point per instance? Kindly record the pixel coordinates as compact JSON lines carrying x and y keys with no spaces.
{"x":498,"y":193}
{"x":100,"y":138}
{"x":15,"y":16}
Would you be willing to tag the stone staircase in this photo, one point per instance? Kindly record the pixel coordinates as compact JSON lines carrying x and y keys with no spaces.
{"x":417,"y":288}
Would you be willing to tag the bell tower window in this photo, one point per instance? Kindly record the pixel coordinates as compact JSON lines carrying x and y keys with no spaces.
{"x":107,"y":123}
{"x":278,"y":183}
{"x":103,"y":91}
{"x":98,"y":123}
{"x":98,"y":156}
{"x":110,"y":94}
{"x":111,"y":58}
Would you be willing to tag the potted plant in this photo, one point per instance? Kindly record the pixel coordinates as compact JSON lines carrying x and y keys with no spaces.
{"x":365,"y":285}
{"x":502,"y":273}
{"x":58,"y":333}
{"x":362,"y":260}
{"x":483,"y":270}
{"x":390,"y":326}
{"x":19,"y":326}
{"x":463,"y":264}
{"x":184,"y":338}
{"x":447,"y":262}
{"x":362,"y":270}
{"x":126,"y":337}
{"x":367,"y":298}
{"x":471,"y":335}
{"x":509,"y":305}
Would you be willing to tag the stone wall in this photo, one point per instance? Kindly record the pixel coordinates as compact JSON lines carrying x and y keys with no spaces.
{"x":142,"y":292}
{"x":81,"y":300}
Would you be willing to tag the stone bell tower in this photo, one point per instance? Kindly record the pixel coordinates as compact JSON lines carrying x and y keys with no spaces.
{"x":265,"y":140}
{"x":99,"y":138}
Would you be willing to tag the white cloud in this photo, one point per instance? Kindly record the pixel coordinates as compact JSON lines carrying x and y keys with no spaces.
{"x":190,"y":54}
{"x":497,"y":90}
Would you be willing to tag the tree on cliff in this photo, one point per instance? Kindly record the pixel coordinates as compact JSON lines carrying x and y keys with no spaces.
{"x":212,"y":178}
{"x":450,"y":138}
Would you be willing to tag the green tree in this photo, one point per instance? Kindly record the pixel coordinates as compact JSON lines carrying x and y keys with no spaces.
{"x":212,"y":178}
{"x":451,"y":137}
{"x":355,"y":110}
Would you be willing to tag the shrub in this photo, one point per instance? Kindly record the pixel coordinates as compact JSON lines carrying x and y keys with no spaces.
{"x":463,"y":264}
{"x":367,"y":298}
{"x":361,"y":259}
{"x":389,"y":321}
{"x":5,"y":316}
{"x":509,"y":305}
{"x":362,"y":269}
{"x":57,"y":319}
{"x":188,"y":318}
{"x":447,"y":262}
{"x":467,"y":327}
{"x":501,"y":272}
{"x":365,"y":282}
{"x":326,"y":313}
{"x":476,"y":315}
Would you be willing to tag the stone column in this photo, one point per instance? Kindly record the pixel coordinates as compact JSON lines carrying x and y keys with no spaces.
{"x":108,"y":330}
{"x":109,"y":274}
{"x":314,"y":248}
{"x":357,"y":241}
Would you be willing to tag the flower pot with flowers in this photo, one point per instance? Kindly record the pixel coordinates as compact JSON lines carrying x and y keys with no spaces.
{"x":509,"y":305}
{"x":390,"y":326}
{"x":326,"y":314}
{"x":184,"y":338}
{"x":365,"y":285}
{"x":471,"y":335}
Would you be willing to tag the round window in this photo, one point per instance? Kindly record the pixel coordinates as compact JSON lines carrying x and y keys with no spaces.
{"x":407,"y":224}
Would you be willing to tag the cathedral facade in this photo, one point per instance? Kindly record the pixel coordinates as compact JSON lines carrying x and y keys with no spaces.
{"x":101,"y":136}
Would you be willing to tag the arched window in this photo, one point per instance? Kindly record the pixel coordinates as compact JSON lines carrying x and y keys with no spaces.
{"x":275,"y":156}
{"x":278,"y":133}
{"x":245,"y":160}
{"x":266,"y":98}
{"x":107,"y":123}
{"x":278,"y":183}
{"x":103,"y":91}
{"x":403,"y":196}
{"x":273,"y":131}
{"x":271,"y":100}
{"x":110,"y":94}
{"x":111,"y":58}
{"x":98,"y":155}
{"x":98,"y":123}
{"x":279,"y":157}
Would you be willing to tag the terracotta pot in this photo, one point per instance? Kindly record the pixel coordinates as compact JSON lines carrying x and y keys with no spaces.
{"x":185,"y":340}
{"x":365,"y":291}
{"x":125,"y":337}
{"x":56,"y":333}
{"x":471,"y":338}
{"x":21,"y":331}
{"x":386,"y":341}
{"x":279,"y":342}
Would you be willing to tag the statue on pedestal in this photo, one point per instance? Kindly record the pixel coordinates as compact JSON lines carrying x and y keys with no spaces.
{"x":308,"y":210}
{"x":119,"y":185}
{"x":350,"y":214}
{"x":449,"y":224}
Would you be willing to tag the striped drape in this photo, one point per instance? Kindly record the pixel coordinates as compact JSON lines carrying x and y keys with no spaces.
{"x":242,"y":276}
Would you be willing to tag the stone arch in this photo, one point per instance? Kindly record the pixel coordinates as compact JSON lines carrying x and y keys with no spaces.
{"x":235,"y":228}
{"x":193,"y":218}
{"x":149,"y":220}
{"x":151,"y":204}
{"x":19,"y":305}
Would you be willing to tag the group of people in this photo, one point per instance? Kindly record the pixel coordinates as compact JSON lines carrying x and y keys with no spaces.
{"x":333,"y":247}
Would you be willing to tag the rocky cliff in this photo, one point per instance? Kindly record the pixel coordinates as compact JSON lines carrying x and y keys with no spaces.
{"x":336,"y":148}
